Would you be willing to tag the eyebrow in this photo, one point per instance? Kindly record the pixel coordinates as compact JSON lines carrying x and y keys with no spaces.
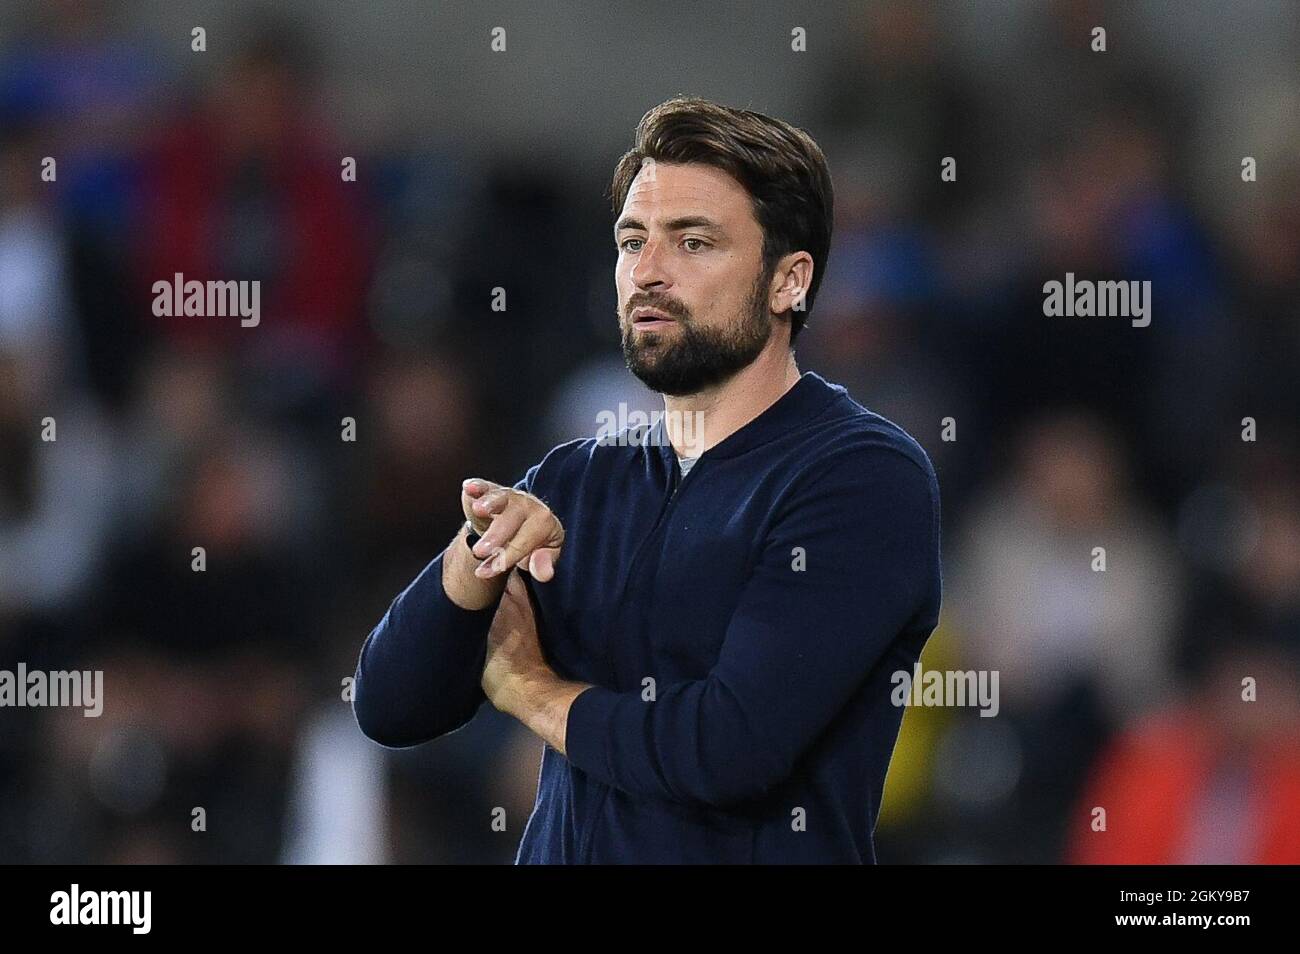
{"x":672,"y":225}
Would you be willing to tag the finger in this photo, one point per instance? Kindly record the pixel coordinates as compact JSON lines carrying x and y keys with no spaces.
{"x":515,"y":586}
{"x":541,"y":564}
{"x":493,"y":502}
{"x":477,"y":486}
{"x":519,"y":608}
{"x":488,"y":568}
{"x":500,"y":531}
{"x":494,"y":561}
{"x":526,"y":539}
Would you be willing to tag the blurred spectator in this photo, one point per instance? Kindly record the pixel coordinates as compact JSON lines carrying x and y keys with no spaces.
{"x":1213,"y":779}
{"x":249,"y":187}
{"x":1032,"y":600}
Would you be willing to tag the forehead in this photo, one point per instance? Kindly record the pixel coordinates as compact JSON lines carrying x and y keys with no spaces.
{"x":670,"y":190}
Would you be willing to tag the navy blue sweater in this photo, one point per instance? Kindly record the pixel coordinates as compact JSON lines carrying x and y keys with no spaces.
{"x":740,"y":627}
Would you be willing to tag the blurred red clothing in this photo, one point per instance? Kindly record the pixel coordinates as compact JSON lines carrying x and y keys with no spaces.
{"x":304,"y":216}
{"x":1177,"y":791}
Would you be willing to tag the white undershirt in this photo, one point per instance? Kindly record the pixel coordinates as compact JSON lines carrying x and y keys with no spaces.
{"x":686,"y":464}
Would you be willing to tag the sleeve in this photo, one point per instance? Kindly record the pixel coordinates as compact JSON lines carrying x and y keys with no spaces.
{"x":799,"y":644}
{"x":420,"y":668}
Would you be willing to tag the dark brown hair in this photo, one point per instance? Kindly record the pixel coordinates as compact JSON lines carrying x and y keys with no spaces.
{"x":779,"y":165}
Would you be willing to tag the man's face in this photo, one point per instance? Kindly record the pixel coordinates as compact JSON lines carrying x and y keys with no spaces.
{"x":692,"y":296}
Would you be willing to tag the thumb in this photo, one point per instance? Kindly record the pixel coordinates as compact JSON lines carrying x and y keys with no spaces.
{"x":541,"y":564}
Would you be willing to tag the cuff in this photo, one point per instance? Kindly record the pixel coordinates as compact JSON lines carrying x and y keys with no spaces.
{"x":463,"y":625}
{"x":587,"y":733}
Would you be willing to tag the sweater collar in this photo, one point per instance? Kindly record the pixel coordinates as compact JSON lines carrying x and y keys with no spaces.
{"x":807,"y":398}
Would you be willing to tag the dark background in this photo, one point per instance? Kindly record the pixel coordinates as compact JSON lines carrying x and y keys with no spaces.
{"x":479,"y":170}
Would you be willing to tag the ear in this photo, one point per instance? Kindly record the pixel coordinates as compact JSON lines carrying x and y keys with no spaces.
{"x":792,"y":280}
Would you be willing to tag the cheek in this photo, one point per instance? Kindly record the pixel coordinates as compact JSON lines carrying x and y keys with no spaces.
{"x":623,"y":279}
{"x":717,"y":303}
{"x":726,"y":289}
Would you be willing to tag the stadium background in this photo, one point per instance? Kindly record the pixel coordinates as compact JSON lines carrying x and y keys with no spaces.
{"x":479,"y":170}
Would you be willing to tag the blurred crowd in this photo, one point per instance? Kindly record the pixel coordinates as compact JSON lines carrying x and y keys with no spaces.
{"x":226,"y":689}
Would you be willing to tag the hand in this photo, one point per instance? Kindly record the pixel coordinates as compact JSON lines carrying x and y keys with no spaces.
{"x":514,"y":652}
{"x":516,"y":677}
{"x":516,"y":529}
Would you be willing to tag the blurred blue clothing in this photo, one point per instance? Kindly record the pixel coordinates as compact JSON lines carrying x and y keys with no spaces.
{"x":740,"y":629}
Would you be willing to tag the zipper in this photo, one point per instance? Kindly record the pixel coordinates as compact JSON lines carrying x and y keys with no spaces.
{"x":665,"y":510}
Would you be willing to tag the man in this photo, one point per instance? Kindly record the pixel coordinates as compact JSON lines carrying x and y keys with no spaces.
{"x":703,"y":636}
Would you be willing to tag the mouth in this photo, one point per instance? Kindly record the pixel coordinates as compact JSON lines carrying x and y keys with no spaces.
{"x":650,"y":319}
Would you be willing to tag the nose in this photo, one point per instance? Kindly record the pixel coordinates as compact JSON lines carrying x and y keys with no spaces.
{"x":648,"y":272}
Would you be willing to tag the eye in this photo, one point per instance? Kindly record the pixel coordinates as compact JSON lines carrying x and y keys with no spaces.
{"x":623,"y":244}
{"x":703,"y":244}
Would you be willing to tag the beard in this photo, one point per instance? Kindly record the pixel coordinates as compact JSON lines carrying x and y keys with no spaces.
{"x":695,"y":357}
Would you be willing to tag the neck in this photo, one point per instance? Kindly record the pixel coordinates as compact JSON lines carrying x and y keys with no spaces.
{"x":696,"y":422}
